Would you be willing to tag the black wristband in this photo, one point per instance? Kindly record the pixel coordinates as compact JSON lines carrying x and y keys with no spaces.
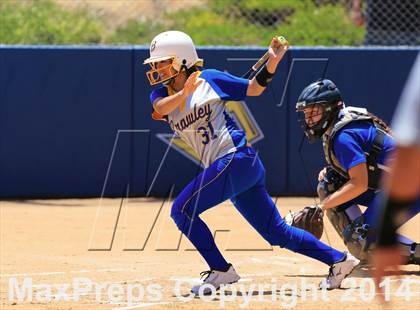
{"x":388,"y":222}
{"x":264,"y":77}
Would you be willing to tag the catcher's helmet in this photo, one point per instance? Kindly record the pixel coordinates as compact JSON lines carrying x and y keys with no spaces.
{"x":175,"y":46}
{"x":324,"y":93}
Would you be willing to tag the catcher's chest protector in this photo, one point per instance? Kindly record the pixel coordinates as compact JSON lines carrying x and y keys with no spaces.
{"x":353,"y":114}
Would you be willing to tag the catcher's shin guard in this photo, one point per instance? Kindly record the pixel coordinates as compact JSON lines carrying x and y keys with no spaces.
{"x":355,"y":233}
{"x":355,"y":238}
{"x":342,"y":218}
{"x":410,"y":250}
{"x":414,"y":257}
{"x":343,"y":223}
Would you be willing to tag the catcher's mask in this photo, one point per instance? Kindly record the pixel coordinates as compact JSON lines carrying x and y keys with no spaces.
{"x":175,"y":48}
{"x":318,"y":107}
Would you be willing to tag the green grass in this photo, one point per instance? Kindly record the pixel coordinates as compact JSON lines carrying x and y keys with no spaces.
{"x":225,"y":22}
{"x":44,"y":22}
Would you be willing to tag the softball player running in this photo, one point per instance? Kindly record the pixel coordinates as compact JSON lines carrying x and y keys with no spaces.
{"x":193,"y":103}
{"x":356,"y":147}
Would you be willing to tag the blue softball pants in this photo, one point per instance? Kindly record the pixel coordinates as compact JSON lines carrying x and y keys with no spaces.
{"x":240,"y":177}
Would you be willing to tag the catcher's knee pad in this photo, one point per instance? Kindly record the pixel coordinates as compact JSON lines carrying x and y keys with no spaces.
{"x":410,"y":253}
{"x":355,"y":238}
{"x":343,"y":222}
{"x":340,"y":218}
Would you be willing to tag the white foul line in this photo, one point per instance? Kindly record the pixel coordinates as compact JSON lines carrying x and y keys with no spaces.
{"x":141,"y":305}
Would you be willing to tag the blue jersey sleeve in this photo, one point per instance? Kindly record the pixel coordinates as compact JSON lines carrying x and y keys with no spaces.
{"x":160,"y":92}
{"x":227,"y":86}
{"x":348,"y":150}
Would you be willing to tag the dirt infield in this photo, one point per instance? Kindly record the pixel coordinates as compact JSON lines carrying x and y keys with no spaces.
{"x":63,"y":247}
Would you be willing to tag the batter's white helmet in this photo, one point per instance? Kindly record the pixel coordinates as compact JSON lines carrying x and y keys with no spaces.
{"x":176,"y":46}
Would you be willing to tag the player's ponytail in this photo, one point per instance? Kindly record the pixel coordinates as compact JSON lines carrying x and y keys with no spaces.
{"x":187,"y":70}
{"x":191,"y":70}
{"x":384,"y":126}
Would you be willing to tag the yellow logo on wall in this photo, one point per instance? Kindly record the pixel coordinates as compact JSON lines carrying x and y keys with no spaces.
{"x":243,"y":118}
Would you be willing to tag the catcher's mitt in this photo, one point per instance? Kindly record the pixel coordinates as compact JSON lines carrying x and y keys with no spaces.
{"x":309,"y":219}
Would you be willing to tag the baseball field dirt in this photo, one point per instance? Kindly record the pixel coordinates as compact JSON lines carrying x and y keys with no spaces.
{"x":128,"y":254}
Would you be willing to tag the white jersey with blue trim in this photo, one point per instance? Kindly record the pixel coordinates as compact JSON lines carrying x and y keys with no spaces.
{"x":203,"y":121}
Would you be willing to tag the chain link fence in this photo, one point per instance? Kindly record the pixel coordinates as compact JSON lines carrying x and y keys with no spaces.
{"x":223,"y":22}
{"x":388,"y":22}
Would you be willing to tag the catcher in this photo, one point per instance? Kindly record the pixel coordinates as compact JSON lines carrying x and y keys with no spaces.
{"x":356,"y":146}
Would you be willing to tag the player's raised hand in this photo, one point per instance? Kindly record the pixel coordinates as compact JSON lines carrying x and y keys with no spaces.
{"x":277,"y":49}
{"x":191,"y":84}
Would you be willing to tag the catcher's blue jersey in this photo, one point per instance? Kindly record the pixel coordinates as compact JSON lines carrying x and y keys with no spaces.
{"x":354,"y":140}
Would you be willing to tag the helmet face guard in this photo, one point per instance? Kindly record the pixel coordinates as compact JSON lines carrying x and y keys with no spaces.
{"x":157,"y":75}
{"x":324,"y":95}
{"x":315,"y":130}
